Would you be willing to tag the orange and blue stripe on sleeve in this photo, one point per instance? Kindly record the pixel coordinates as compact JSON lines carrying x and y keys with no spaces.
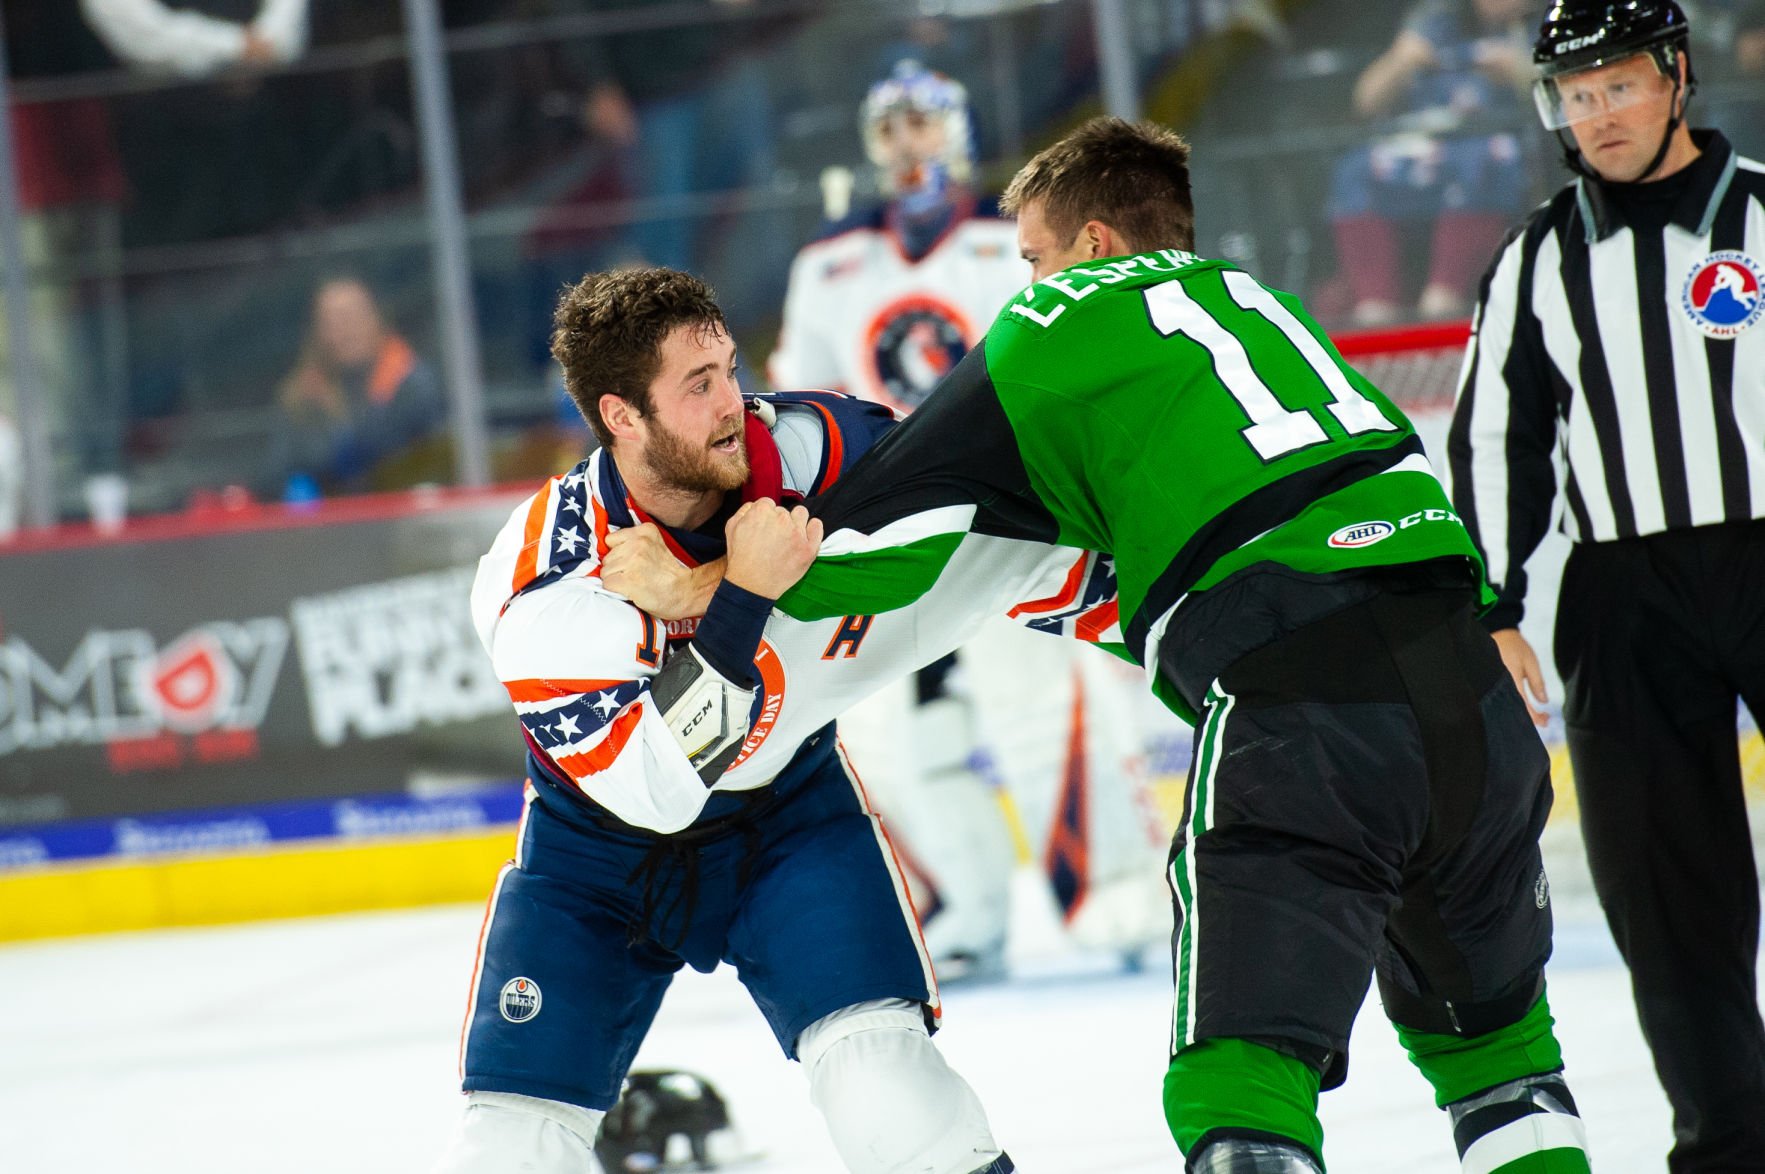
{"x":580,"y":725}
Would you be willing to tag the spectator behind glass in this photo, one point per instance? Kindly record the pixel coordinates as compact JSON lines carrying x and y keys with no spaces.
{"x":200,"y":39}
{"x":687,"y":105}
{"x":1750,"y":43}
{"x":199,"y":158}
{"x":359,"y":404}
{"x":1448,"y":92}
{"x":1728,"y":39}
{"x":70,"y":187}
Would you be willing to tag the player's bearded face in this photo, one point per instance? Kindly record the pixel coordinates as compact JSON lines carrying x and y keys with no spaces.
{"x":694,"y":437}
{"x":701,"y":463}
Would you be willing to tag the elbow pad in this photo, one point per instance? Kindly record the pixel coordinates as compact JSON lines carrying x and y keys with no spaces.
{"x":707,"y":714}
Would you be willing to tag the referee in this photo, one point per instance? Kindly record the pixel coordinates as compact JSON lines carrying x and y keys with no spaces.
{"x":1623,"y":326}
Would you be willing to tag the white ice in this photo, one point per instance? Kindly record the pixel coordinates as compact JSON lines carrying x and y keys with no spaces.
{"x":329,"y":1044}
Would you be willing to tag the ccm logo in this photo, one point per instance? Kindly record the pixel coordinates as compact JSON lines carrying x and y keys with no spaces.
{"x":1362,"y":534}
{"x":692,"y":723}
{"x":1421,"y":516}
{"x":1574,"y":43}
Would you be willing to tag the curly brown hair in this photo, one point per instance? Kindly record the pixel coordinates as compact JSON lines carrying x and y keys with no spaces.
{"x":608,"y":330}
{"x":1133,"y":176}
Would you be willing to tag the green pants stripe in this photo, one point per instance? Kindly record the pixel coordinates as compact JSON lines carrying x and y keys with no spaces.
{"x":1183,"y":878}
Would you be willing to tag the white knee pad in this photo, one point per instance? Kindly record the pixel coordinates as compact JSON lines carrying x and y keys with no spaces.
{"x":890,"y":1101}
{"x":502,"y":1133}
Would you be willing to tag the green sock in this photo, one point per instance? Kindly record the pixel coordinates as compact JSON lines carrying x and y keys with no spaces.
{"x":1236,"y":1084}
{"x":1459,"y":1065}
{"x":1564,"y":1161}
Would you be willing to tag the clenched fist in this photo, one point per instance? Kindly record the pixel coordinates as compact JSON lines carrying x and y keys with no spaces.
{"x":770,"y":547}
{"x":639,"y":566}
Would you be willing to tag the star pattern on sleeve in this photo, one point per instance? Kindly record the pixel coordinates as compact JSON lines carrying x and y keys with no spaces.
{"x":580,"y":718}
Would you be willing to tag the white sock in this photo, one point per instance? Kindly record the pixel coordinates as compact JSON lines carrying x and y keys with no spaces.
{"x":503,"y":1133}
{"x":892,"y":1105}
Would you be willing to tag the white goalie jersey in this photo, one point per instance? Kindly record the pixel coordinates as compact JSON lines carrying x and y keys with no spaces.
{"x":860,"y":316}
{"x":578,"y":660}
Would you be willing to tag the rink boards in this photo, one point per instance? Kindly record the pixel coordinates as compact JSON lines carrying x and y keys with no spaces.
{"x":243,"y":864}
{"x":294,"y":860}
{"x":220,"y":726}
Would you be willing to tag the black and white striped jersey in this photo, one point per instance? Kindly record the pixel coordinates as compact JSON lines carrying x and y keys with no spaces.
{"x":1619,"y":338}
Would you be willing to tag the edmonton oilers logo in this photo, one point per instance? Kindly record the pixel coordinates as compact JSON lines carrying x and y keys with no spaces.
{"x":519,"y":1001}
{"x":1723,"y":295}
{"x":1362,"y":534}
{"x":915,"y":347}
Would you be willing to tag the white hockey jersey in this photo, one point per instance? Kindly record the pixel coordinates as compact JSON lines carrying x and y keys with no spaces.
{"x":577,"y":659}
{"x":862,"y":317}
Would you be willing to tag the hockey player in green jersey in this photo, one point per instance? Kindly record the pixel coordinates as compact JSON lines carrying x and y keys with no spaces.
{"x":1367,"y":790}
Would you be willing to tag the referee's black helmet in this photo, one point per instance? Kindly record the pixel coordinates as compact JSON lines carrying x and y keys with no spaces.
{"x":1580,"y":34}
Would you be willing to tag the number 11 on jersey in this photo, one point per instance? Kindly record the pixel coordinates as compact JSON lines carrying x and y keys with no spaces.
{"x":1275,"y":431}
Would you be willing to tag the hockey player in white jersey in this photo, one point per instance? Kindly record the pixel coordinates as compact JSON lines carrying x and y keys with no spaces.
{"x":882,"y":306}
{"x":688,"y":803}
{"x":886,"y":301}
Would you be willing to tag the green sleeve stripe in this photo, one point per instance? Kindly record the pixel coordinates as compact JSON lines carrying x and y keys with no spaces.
{"x":869,"y":582}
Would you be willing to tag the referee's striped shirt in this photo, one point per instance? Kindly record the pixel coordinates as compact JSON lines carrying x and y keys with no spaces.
{"x":1633,"y":358}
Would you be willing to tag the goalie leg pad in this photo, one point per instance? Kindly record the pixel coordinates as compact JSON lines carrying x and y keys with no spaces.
{"x":892,"y":1105}
{"x":503,"y":1131}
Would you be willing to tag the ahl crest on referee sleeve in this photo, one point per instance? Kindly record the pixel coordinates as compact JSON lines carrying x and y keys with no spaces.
{"x":1723,"y":294}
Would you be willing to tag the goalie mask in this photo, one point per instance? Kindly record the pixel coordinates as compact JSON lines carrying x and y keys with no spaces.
{"x":916,"y":132}
{"x":666,"y":1120}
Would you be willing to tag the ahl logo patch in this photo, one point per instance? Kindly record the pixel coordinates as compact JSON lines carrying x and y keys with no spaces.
{"x":520,"y":1000}
{"x":1541,"y":891}
{"x":1362,"y":534}
{"x":1723,"y":294}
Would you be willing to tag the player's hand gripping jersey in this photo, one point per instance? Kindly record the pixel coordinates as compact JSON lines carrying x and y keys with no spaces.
{"x":579,"y":661}
{"x":1167,"y":409}
{"x":862,"y":316}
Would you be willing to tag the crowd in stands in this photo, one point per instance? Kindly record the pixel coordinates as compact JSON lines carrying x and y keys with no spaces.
{"x":180,"y":212}
{"x":1447,"y":105}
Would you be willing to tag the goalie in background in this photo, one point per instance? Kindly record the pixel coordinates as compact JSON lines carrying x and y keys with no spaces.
{"x":882,"y":305}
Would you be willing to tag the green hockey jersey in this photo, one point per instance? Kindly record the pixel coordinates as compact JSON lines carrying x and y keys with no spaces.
{"x":1166,"y":409}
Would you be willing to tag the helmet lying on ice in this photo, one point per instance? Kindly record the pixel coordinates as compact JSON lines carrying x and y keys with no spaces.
{"x":665,"y":1118}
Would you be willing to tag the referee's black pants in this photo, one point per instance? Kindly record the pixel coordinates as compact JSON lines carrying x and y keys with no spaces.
{"x":1656,"y":638}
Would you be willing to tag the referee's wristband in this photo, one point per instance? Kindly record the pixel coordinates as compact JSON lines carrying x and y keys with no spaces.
{"x":729,"y":634}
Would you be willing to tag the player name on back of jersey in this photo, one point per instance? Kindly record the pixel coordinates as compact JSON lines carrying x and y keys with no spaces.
{"x":1081,"y":281}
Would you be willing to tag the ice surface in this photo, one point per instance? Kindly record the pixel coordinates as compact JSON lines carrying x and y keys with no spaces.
{"x":329,"y":1045}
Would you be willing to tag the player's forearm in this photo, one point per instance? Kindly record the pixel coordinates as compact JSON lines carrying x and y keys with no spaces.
{"x":729,"y":634}
{"x":703,"y":581}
